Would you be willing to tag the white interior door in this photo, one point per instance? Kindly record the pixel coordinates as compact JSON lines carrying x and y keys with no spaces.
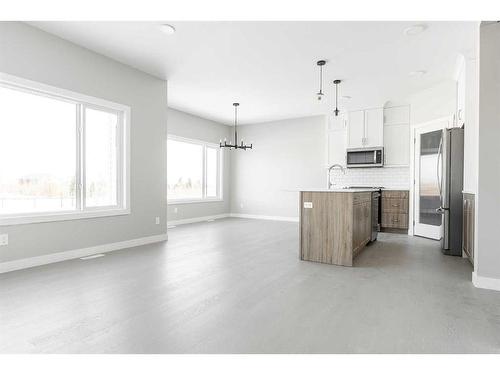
{"x":428,"y":170}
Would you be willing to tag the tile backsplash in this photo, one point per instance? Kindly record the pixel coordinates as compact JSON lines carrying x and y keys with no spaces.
{"x":389,"y":177}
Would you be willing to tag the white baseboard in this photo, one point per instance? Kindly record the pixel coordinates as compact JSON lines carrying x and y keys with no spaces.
{"x":265,"y":217}
{"x":196,"y":219}
{"x":485,"y":282}
{"x":78,"y":253}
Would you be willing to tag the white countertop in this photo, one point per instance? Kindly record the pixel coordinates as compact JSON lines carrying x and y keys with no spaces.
{"x":339,"y":190}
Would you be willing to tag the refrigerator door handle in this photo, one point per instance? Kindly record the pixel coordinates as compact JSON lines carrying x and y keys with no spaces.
{"x":438,"y":164}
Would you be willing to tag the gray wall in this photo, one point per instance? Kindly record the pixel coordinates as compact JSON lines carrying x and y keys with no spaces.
{"x":488,"y":252}
{"x":32,"y":54}
{"x":287,"y":155}
{"x":185,"y":125}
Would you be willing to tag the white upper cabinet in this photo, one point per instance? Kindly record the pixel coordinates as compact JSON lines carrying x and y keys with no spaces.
{"x":366,"y":128}
{"x":374,"y":128}
{"x":337,"y":135}
{"x":397,"y":136}
{"x":356,"y":129}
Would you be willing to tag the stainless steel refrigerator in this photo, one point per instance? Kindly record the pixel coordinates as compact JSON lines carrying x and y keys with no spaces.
{"x":450,"y":174}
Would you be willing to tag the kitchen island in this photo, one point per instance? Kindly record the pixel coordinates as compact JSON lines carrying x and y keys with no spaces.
{"x":335,"y":224}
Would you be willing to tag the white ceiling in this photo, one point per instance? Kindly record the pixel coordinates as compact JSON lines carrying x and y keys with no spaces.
{"x":270,"y":67}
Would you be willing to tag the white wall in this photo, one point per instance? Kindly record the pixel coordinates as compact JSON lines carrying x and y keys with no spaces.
{"x":432,"y":103}
{"x":185,"y":125}
{"x":488,"y":199}
{"x":32,"y":54}
{"x":287,"y":155}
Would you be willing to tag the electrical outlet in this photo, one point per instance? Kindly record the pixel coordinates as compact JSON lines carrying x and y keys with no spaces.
{"x":176,"y":210}
{"x":4,"y":239}
{"x":308,"y":204}
{"x":157,"y":220}
{"x":241,"y":205}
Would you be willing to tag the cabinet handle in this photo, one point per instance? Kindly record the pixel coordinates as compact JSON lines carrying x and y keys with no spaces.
{"x":395,"y":205}
{"x":395,"y":220}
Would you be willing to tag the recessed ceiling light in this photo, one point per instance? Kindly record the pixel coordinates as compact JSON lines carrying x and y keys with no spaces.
{"x":414,"y":30}
{"x":167,"y":29}
{"x":417,"y":73}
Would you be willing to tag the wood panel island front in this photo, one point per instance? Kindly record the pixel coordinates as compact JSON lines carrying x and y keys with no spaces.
{"x":335,"y":225}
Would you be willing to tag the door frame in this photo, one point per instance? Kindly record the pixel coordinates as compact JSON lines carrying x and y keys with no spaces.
{"x":413,"y":128}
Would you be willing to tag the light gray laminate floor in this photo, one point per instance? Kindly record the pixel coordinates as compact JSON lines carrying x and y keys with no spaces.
{"x":237,"y":286}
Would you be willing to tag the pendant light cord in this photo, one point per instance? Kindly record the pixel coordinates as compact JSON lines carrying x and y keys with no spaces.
{"x":235,"y":124}
{"x":321,"y":79}
{"x":337,"y":96}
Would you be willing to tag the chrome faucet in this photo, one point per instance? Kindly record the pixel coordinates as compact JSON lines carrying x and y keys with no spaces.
{"x":330,"y":168}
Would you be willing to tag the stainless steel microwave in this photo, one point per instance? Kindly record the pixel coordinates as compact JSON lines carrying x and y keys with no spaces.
{"x":365,"y":157}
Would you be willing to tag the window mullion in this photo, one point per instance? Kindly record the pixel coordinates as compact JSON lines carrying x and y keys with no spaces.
{"x":219,"y":174}
{"x":83,"y":158}
{"x":78,"y":169}
{"x":204,"y":177}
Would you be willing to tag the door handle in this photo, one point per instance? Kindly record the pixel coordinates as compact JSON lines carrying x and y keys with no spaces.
{"x":441,"y":210}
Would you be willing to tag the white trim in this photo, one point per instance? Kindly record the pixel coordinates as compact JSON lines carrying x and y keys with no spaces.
{"x":78,"y":253}
{"x":196,"y":219}
{"x":46,"y":217}
{"x":266,"y":217}
{"x":485,"y":282}
{"x":53,"y":91}
{"x":241,"y":216}
{"x":191,"y":201}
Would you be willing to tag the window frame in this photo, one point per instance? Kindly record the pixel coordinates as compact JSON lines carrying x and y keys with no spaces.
{"x":81,"y":101}
{"x":220,"y":172}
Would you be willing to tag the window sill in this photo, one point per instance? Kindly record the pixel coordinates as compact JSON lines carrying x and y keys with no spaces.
{"x":60,"y":216}
{"x":191,"y":201}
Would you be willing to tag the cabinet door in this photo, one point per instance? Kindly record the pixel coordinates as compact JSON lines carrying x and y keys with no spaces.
{"x":397,"y":144}
{"x":362,"y":225}
{"x":367,"y":221}
{"x":374,"y":127}
{"x":357,"y":226}
{"x":356,"y":129}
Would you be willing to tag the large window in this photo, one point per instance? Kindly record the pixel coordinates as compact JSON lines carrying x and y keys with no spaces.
{"x":193,"y":171}
{"x":62,"y":154}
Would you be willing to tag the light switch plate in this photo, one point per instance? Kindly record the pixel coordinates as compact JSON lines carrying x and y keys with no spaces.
{"x":157,"y":221}
{"x":308,"y":204}
{"x":4,"y":239}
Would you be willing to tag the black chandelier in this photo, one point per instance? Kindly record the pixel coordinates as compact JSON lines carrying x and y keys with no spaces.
{"x":336,"y":83}
{"x":235,"y":145}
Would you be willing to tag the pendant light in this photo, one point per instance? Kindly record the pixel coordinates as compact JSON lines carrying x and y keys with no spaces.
{"x":336,"y":83}
{"x":235,"y":145}
{"x":320,"y":94}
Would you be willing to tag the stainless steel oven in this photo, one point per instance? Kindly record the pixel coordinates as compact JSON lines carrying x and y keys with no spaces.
{"x":365,"y":157}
